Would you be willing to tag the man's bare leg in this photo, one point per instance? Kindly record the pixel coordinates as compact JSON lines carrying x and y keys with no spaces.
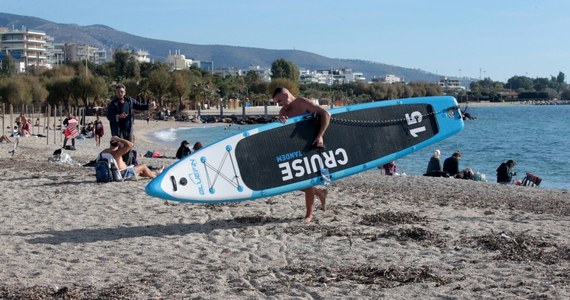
{"x":309,"y":201}
{"x":322,"y":194}
{"x":144,"y":171}
{"x":310,"y":194}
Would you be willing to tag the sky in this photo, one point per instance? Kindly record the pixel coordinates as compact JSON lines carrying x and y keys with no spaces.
{"x":495,"y":39}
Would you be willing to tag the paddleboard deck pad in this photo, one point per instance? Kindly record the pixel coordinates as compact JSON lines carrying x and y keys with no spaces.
{"x":278,"y":157}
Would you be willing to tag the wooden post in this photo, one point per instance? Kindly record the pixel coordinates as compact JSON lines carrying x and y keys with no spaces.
{"x":60,"y":124}
{"x":3,"y":119}
{"x":54,"y":128}
{"x":11,"y":119}
{"x":32,"y":120}
{"x":46,"y":121}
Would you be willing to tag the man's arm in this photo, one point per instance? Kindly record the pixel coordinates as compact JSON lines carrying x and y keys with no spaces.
{"x":127,"y":145}
{"x":324,"y":117}
{"x":111,"y":112}
{"x":142,"y":106}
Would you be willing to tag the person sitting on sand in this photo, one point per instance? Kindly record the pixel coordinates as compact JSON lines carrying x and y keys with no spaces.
{"x":451,"y":164}
{"x":434,"y":166}
{"x":183,"y":150}
{"x":23,"y":126}
{"x":505,"y":172}
{"x":15,"y":132}
{"x":390,"y":168}
{"x":466,"y":173}
{"x":118,"y":148}
{"x":197,"y":146}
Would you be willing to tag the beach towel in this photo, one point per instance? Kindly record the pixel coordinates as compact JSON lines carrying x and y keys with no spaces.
{"x":71,"y":131}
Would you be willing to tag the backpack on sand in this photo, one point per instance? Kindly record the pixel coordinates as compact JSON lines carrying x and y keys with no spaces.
{"x":106,"y":170}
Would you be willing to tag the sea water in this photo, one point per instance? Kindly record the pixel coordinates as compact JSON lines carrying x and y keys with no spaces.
{"x":537,"y":137}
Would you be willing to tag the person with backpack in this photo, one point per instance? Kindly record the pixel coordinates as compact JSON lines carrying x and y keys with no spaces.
{"x":118,"y":147}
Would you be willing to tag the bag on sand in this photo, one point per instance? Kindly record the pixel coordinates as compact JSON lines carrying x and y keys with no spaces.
{"x":105,"y":170}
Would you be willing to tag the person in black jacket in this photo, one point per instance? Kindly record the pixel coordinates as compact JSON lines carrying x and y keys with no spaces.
{"x":121,"y":117}
{"x":505,"y":173}
{"x":120,"y":113}
{"x":451,"y":164}
{"x":184,"y":150}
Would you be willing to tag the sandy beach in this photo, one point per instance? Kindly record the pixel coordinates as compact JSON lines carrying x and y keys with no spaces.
{"x":64,"y":236}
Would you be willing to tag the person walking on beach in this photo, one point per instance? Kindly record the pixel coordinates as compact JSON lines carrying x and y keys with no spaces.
{"x":290,"y":107}
{"x":99,"y":131}
{"x":451,"y":164}
{"x":120,"y":115}
{"x":70,"y":132}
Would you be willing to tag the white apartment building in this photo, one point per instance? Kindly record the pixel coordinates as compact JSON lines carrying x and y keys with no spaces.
{"x":178,"y":61}
{"x":330,"y":76}
{"x":142,"y":56}
{"x":81,"y":52}
{"x":389,"y":78}
{"x":263,"y":73}
{"x":36,"y":48}
{"x":27,"y":47}
{"x":450,"y":83}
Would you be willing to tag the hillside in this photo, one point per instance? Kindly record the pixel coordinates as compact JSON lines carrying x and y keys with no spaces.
{"x":223,"y":56}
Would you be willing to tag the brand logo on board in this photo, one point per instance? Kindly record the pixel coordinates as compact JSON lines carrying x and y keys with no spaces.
{"x":295,"y":165}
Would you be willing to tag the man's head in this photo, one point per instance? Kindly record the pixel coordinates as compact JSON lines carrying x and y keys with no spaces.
{"x":457,"y":154}
{"x":120,"y":91}
{"x":511,"y":163}
{"x":281,"y":95}
{"x":114,"y":144}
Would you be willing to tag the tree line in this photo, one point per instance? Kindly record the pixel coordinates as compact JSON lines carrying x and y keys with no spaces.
{"x":521,"y":87}
{"x":85,"y":84}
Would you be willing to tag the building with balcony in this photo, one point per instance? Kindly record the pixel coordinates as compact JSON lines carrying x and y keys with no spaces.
{"x":142,"y":56}
{"x":27,"y":47}
{"x":264,"y":74}
{"x":330,"y":76}
{"x":450,"y":83}
{"x":81,"y":52}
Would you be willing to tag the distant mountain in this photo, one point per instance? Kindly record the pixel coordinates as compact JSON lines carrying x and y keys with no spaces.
{"x":223,"y":56}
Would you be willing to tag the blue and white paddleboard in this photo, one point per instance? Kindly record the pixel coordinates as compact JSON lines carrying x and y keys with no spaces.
{"x":278,"y":158}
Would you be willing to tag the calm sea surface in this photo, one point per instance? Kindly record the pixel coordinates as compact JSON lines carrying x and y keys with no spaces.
{"x":537,"y":137}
